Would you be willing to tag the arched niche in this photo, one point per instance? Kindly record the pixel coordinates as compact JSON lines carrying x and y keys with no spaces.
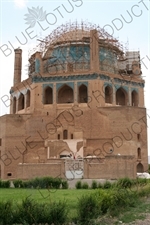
{"x":65,"y":94}
{"x":83,"y":96}
{"x":48,"y":95}
{"x":121,"y":97}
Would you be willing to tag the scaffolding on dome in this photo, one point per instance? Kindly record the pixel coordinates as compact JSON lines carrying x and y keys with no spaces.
{"x":67,"y":49}
{"x":74,"y":32}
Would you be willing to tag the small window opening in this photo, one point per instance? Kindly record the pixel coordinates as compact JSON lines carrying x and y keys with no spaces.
{"x":139,"y":153}
{"x":65,"y":134}
{"x":71,"y":136}
{"x":9,"y":174}
{"x":58,"y":136}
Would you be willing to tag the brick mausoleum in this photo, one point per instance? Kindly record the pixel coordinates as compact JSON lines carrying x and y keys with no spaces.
{"x":80,"y":112}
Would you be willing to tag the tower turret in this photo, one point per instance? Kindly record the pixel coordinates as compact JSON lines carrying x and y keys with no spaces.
{"x":17,"y":66}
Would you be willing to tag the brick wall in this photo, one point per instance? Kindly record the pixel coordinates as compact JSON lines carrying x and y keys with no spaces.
{"x":112,"y":167}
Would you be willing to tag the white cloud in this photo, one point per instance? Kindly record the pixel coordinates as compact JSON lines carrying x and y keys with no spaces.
{"x":20,"y":3}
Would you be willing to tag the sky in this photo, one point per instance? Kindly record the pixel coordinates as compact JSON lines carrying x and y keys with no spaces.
{"x":126,"y":20}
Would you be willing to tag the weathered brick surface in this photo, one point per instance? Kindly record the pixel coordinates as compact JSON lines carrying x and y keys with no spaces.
{"x":114,"y":128}
{"x":111,"y":132}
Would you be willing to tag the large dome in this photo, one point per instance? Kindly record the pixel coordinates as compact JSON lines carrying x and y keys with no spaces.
{"x":70,"y":32}
{"x":73,"y":35}
{"x":68,"y":49}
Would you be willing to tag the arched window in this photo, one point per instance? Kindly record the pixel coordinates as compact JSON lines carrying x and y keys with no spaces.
{"x":14,"y":105}
{"x":134,"y":98}
{"x":65,"y":94}
{"x":138,"y":137}
{"x":21,"y":102}
{"x":108,"y":94}
{"x":48,"y":96}
{"x":83,"y":96}
{"x":28,"y":99}
{"x":140,"y":168}
{"x":65,"y":134}
{"x":121,"y":97}
{"x":139,"y":153}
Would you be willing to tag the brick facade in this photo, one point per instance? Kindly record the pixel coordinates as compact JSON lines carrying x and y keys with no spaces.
{"x":91,"y":111}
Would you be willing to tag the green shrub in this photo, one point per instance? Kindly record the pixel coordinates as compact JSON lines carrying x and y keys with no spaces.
{"x":30,"y":212}
{"x":25,"y":211}
{"x":144,"y":191}
{"x":124,"y":182}
{"x":107,"y":184}
{"x":46,"y":182}
{"x":58,"y":213}
{"x":87,"y":209}
{"x":56,"y":183}
{"x":50,"y":182}
{"x":65,"y":184}
{"x":78,"y":185}
{"x":5,"y":184}
{"x":85,"y":185}
{"x":125,"y":198}
{"x":104,"y":199}
{"x":122,"y":198}
{"x":35,"y":183}
{"x":26,"y":184}
{"x":6,"y":213}
{"x":100,"y":185}
{"x":114,"y":185}
{"x":39,"y":182}
{"x":94,"y":184}
{"x":141,"y":181}
{"x":17,"y":183}
{"x":113,"y":201}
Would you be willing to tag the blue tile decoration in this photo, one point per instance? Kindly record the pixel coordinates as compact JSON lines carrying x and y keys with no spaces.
{"x":84,"y":82}
{"x":63,"y":55}
{"x":48,"y":85}
{"x":70,"y":84}
{"x":117,"y":82}
{"x":107,"y":60}
{"x":117,"y":86}
{"x":108,"y":84}
{"x":135,"y":89}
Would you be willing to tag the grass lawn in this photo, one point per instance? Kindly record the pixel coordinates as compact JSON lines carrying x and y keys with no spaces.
{"x":72,"y":196}
{"x":44,"y":195}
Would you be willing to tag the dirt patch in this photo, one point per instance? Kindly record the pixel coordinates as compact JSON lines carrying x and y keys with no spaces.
{"x":142,"y":222}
